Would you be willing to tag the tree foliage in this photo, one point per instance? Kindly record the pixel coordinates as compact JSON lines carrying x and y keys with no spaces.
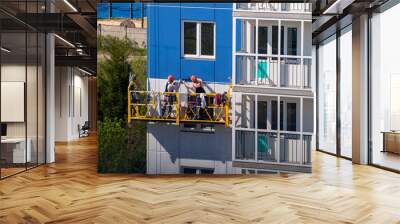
{"x":121,"y":149}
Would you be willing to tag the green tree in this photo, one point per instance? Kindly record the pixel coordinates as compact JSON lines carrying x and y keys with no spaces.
{"x":113,"y":74}
{"x":121,"y":149}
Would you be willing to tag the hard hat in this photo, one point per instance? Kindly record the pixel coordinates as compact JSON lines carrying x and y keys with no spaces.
{"x":193,"y":78}
{"x":170,"y":78}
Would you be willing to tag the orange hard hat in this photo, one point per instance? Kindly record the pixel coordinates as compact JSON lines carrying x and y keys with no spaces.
{"x":193,"y":78}
{"x":170,"y":78}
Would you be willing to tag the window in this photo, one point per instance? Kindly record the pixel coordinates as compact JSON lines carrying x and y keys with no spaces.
{"x":263,"y":40}
{"x":189,"y":126}
{"x":274,"y":115}
{"x":190,"y":38}
{"x":194,"y":170}
{"x":291,"y":116}
{"x":207,"y":39}
{"x":199,"y":40}
{"x":275,"y":40}
{"x":291,"y":41}
{"x":327,"y":95}
{"x":262,"y":114}
{"x":206,"y":171}
{"x":189,"y":170}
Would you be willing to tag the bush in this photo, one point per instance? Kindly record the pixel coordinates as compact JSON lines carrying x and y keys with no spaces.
{"x":119,"y":153}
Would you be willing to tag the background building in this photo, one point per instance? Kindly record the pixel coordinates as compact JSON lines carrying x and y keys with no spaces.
{"x":123,"y":20}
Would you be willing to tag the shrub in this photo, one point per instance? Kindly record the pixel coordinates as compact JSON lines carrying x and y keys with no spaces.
{"x":119,"y":151}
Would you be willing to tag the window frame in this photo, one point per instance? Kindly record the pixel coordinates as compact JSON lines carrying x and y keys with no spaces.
{"x":198,"y":54}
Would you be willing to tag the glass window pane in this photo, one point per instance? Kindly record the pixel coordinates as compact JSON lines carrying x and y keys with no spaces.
{"x":346,"y":93}
{"x":274,"y":115}
{"x":291,"y":116}
{"x":41,"y":99}
{"x":263,"y":40}
{"x":31,"y":100}
{"x":292,"y":41}
{"x":262,"y":107}
{"x":190,"y":38}
{"x":275,"y":40}
{"x":385,"y":89}
{"x":207,"y":39}
{"x":14,"y":153}
{"x":327,"y":95}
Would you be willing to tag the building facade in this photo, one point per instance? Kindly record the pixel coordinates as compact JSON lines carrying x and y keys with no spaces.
{"x":239,"y":54}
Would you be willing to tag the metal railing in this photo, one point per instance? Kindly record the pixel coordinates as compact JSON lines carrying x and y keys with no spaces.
{"x":295,"y":150}
{"x":178,"y":107}
{"x":289,"y":148}
{"x":287,"y":73}
{"x":275,"y":7}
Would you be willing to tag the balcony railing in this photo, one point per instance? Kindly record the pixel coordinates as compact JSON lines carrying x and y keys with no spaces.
{"x":292,"y":149}
{"x":287,"y":73}
{"x":178,"y":108}
{"x":275,"y":7}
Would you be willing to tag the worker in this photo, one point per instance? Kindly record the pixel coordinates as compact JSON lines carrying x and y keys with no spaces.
{"x":198,"y":102}
{"x":171,"y":87}
{"x":197,"y":85}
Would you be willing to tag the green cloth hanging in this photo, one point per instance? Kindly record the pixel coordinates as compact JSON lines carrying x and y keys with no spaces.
{"x":262,"y":143}
{"x":262,"y":69}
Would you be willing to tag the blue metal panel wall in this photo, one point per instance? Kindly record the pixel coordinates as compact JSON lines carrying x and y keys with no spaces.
{"x":164,"y":41}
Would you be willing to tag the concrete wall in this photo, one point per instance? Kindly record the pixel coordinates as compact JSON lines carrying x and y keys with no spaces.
{"x":137,"y":35}
{"x":170,"y":148}
{"x":71,"y":102}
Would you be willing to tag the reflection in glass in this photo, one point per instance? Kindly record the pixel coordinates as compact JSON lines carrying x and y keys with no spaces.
{"x":190,"y":38}
{"x":207,"y":39}
{"x":327,"y":95}
{"x":346,"y":93}
{"x":385,"y":89}
{"x":15,"y":149}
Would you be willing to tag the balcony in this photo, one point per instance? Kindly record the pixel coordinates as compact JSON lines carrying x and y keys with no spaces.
{"x":289,"y":72}
{"x":272,"y":132}
{"x":172,"y":107}
{"x":290,"y":148}
{"x":272,"y":53}
{"x":274,"y":7}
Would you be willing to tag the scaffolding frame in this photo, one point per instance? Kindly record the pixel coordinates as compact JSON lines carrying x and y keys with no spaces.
{"x":169,"y":107}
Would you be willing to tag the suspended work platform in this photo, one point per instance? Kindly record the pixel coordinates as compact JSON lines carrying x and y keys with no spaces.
{"x":175,"y":107}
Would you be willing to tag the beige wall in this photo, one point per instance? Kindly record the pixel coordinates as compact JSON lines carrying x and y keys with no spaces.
{"x":34,"y":125}
{"x":71,"y":102}
{"x":92,"y":91}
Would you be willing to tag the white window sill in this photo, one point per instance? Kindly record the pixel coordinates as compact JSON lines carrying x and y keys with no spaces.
{"x":194,"y":57}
